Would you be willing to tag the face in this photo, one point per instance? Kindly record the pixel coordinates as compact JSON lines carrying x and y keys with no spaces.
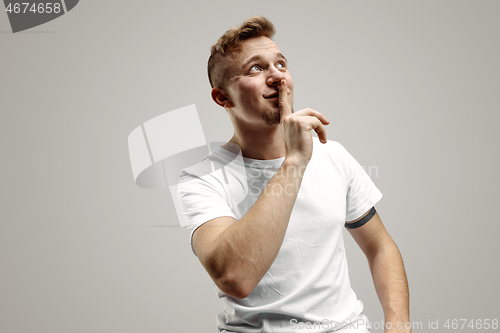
{"x":256,"y":70}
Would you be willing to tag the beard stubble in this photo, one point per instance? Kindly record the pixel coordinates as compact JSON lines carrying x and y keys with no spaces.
{"x":272,"y":117}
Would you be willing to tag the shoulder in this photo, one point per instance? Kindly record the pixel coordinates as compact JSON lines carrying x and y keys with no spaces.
{"x":331,"y":146}
{"x":334,"y":153}
{"x":209,"y":175}
{"x":331,"y":149}
{"x":199,"y":177}
{"x":210,"y":164}
{"x":198,"y":170}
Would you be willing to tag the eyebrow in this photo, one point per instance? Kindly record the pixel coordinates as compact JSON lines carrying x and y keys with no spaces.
{"x":258,"y":57}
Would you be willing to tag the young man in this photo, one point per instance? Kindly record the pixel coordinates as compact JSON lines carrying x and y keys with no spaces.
{"x":266,"y":222}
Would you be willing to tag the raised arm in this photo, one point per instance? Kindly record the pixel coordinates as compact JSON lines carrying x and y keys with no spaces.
{"x":237,"y":254}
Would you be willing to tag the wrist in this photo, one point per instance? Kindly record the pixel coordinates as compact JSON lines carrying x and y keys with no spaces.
{"x":293,"y":168}
{"x":295,"y":161}
{"x":397,"y":325}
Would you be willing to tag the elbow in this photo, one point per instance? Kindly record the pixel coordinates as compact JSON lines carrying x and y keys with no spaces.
{"x":232,"y":279}
{"x":234,"y":286}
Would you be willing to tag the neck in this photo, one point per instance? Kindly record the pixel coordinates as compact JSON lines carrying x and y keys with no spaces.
{"x":260,"y":144}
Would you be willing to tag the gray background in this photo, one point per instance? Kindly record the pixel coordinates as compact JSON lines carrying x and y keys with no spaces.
{"x":410,"y":87}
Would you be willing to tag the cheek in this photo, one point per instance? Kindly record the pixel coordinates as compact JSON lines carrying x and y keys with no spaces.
{"x":252,"y":85}
{"x":249,"y":91}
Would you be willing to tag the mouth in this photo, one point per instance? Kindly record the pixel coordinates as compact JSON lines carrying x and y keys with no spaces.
{"x":272,"y":96}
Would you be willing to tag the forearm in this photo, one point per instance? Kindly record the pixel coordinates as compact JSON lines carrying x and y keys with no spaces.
{"x":391,"y":284}
{"x":246,"y":250}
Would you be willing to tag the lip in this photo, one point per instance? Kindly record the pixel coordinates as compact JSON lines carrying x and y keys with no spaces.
{"x":272,"y":96}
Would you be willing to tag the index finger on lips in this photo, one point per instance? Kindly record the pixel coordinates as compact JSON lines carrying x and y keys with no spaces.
{"x":284,"y":106}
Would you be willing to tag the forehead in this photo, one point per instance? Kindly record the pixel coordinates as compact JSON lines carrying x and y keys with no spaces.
{"x":257,"y":46}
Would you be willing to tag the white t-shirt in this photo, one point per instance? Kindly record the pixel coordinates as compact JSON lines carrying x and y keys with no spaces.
{"x":308,"y":281}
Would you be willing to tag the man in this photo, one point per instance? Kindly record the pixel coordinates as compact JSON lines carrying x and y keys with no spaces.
{"x":268,"y":227}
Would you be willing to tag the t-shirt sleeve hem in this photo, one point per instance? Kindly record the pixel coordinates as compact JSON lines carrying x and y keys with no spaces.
{"x":364,"y":207}
{"x":205,"y":219}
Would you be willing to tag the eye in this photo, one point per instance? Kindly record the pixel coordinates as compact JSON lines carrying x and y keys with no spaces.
{"x":254,"y":68}
{"x":280,"y":65}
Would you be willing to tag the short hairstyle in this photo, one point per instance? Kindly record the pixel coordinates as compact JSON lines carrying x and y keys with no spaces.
{"x":255,"y":26}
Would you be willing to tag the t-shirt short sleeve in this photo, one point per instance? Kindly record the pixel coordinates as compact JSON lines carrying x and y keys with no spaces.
{"x":362,"y":193}
{"x":201,"y":199}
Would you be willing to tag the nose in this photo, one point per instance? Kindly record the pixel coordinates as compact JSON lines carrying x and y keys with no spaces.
{"x":274,"y":76}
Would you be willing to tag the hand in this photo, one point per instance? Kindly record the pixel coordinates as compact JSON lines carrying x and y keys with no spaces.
{"x":297,"y":126}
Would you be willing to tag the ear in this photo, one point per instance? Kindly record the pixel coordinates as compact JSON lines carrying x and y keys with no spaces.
{"x":221,"y":98}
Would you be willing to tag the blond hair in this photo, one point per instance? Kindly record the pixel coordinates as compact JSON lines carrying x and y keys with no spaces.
{"x":255,"y":26}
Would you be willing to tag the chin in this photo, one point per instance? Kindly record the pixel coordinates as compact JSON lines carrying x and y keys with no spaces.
{"x":272,"y":117}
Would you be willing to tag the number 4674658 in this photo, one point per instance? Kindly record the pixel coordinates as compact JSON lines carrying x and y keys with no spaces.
{"x":40,"y":8}
{"x":472,"y":323}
